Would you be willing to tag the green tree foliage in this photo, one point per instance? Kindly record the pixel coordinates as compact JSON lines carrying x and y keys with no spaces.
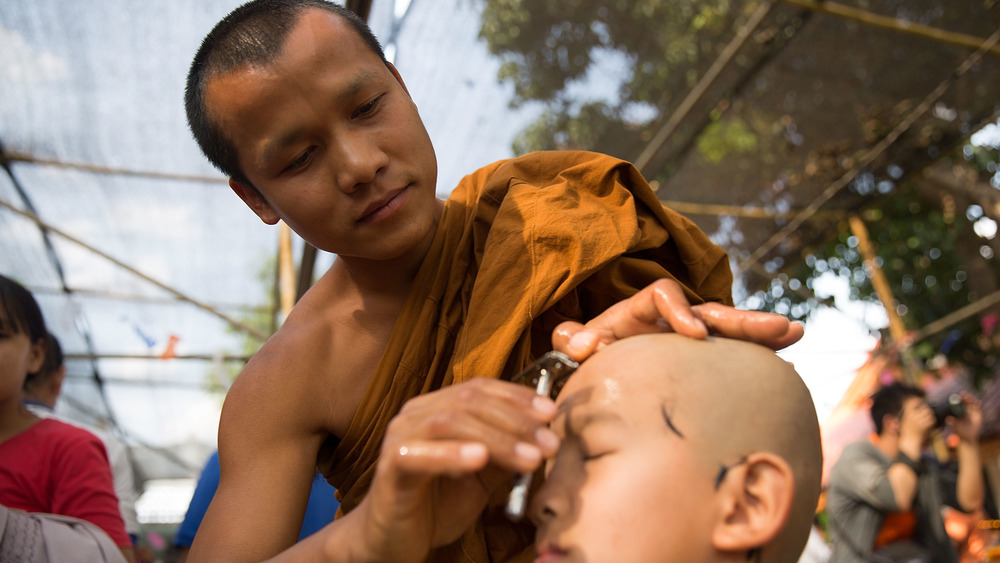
{"x":547,"y":48}
{"x":936,"y":247}
{"x":609,"y":71}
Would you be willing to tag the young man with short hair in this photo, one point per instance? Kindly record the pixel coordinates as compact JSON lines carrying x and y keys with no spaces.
{"x":294,"y":100}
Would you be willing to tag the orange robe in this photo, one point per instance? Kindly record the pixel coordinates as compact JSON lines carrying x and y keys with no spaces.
{"x":522,"y":245}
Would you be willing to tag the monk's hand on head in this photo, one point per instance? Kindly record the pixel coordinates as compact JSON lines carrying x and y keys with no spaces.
{"x":442,"y":457}
{"x":662,"y":307}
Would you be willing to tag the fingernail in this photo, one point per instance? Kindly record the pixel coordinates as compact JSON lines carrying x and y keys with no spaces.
{"x":547,"y":439}
{"x":473,"y":451}
{"x":582,"y":340}
{"x":527,"y":451}
{"x":543,"y":405}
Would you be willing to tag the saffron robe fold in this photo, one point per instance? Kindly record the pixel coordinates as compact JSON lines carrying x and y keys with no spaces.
{"x":522,"y":245}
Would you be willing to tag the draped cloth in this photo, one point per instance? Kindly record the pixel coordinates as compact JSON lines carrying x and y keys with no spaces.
{"x":522,"y":245}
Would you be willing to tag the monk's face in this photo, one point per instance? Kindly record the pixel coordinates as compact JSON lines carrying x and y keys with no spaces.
{"x":630,"y":482}
{"x":329,"y":136}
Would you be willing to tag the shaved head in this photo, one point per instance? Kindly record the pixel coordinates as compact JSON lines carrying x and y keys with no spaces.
{"x":724,"y":399}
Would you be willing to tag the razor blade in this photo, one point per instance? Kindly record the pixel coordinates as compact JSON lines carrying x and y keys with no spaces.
{"x":547,"y":376}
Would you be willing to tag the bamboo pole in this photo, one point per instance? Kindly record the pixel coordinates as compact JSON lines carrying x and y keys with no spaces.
{"x":894,"y":24}
{"x":23,"y":157}
{"x":205,"y":357}
{"x":654,"y":146}
{"x":145,"y":299}
{"x":183,"y":297}
{"x":877,"y":277}
{"x":286,"y":270}
{"x":897,"y":331}
{"x":981,"y":305}
{"x":742,"y":211}
{"x":306,"y":266}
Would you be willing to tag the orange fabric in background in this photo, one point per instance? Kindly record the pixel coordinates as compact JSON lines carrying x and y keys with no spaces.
{"x":896,"y":526}
{"x":522,"y":245}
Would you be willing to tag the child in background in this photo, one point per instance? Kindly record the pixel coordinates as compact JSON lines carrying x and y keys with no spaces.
{"x":46,"y":466}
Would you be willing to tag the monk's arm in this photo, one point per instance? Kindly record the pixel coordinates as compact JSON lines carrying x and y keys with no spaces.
{"x":662,"y":307}
{"x":267,"y":456}
{"x":442,"y":457}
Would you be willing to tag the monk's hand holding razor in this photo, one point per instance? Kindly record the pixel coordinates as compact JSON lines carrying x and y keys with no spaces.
{"x":442,"y":457}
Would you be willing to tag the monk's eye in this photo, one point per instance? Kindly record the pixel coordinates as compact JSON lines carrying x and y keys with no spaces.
{"x":368,"y":108}
{"x":301,"y":161}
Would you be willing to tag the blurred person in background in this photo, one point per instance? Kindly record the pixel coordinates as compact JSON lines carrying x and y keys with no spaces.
{"x":40,"y":396}
{"x":47,"y":466}
{"x":884,"y":498}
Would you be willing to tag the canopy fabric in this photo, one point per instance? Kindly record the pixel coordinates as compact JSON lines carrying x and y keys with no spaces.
{"x":146,"y":265}
{"x":129,"y":238}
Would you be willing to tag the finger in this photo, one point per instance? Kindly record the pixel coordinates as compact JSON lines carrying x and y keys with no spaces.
{"x":674,"y":308}
{"x":512,"y":425}
{"x":774,"y":331}
{"x":441,"y":457}
{"x":658,"y":307}
{"x":575,"y":340}
{"x":519,"y":449}
{"x":564,"y":333}
{"x":503,"y":401}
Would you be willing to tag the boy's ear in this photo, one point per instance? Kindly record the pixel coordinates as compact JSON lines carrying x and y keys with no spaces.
{"x":255,"y":202}
{"x":756,"y":500}
{"x":37,"y":356}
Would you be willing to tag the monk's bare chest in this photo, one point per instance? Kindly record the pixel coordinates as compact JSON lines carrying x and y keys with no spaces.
{"x":356,"y":339}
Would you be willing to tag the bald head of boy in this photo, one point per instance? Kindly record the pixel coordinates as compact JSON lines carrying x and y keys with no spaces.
{"x":681,"y":450}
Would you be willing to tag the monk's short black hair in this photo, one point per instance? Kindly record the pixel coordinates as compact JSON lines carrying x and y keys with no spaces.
{"x":252,"y":34}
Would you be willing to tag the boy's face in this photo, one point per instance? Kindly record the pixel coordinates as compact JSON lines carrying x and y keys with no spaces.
{"x":627,"y":483}
{"x":18,"y":357}
{"x":332,"y":141}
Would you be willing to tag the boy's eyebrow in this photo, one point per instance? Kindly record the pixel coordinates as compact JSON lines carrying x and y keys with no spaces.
{"x":577,"y":424}
{"x":670,"y":423}
{"x":272,"y":148}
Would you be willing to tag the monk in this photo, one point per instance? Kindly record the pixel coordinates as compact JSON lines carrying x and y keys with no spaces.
{"x":669,"y":449}
{"x":296,"y":103}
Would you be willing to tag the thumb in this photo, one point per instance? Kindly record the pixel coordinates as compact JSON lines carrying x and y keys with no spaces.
{"x":574,"y":340}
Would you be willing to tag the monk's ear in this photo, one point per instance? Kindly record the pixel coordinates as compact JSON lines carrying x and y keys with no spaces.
{"x":399,"y":78}
{"x":255,"y":201}
{"x":756,"y":499}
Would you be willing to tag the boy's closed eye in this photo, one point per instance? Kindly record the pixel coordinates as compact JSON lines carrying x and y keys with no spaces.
{"x":595,"y":435}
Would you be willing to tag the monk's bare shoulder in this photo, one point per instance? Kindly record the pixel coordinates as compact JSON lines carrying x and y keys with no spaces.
{"x":313,"y":371}
{"x":277,"y":387}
